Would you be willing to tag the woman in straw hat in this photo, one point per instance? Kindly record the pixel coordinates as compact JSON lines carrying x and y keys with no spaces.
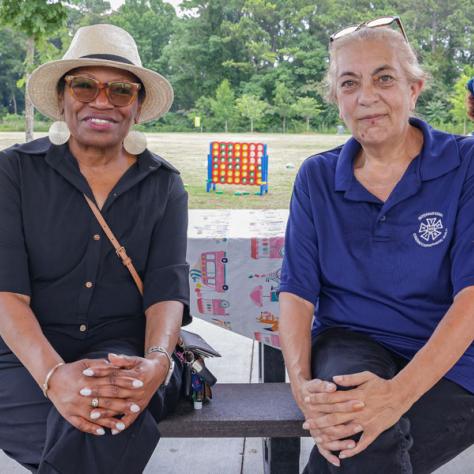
{"x":68,"y":403}
{"x":377,"y":285}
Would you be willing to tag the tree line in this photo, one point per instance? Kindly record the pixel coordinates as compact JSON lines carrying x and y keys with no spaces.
{"x":243,"y":65}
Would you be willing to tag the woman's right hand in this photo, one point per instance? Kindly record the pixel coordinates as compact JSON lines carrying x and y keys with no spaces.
{"x":328,"y":414}
{"x":67,"y":391}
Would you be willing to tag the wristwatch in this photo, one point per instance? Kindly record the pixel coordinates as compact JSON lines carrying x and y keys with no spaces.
{"x":170,"y":360}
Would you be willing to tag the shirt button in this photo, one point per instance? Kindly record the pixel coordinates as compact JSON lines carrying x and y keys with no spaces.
{"x":382,"y":219}
{"x":82,"y":328}
{"x":96,"y":237}
{"x":88,"y":284}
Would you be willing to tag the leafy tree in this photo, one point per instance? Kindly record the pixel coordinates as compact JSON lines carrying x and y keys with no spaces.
{"x":308,"y":108}
{"x":282,"y":102}
{"x":151,"y":23}
{"x":252,"y":108}
{"x":223,"y":105}
{"x":37,"y":19}
{"x":437,"y":112}
{"x":458,"y":98}
{"x":11,"y":69}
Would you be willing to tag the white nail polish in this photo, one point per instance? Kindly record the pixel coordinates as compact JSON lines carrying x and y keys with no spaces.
{"x":114,"y":432}
{"x":95,"y":414}
{"x":120,"y":426}
{"x":100,"y":431}
{"x":137,"y":383}
{"x":88,"y":372}
{"x":85,"y":392}
{"x":134,"y":408}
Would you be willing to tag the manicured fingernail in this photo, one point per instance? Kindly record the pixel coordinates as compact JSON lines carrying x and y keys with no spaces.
{"x":338,"y":378}
{"x":137,"y":383}
{"x":350,"y":445}
{"x":95,"y":414}
{"x":358,"y":428}
{"x":134,"y":408}
{"x":307,"y":399}
{"x":342,"y":456}
{"x":306,"y":426}
{"x":85,"y":392}
{"x":114,"y":432}
{"x":88,"y":372}
{"x":337,"y":464}
{"x":358,"y":405}
{"x":318,"y":439}
{"x":100,"y":431}
{"x":329,"y":386}
{"x":120,"y":426}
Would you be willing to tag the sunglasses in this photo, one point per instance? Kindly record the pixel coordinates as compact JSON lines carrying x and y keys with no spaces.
{"x":384,"y":21}
{"x":85,"y":89}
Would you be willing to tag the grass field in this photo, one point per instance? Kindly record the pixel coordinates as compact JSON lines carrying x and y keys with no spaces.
{"x":188,"y":152}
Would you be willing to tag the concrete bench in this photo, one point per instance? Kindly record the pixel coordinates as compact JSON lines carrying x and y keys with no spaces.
{"x":262,"y":410}
{"x":250,"y":410}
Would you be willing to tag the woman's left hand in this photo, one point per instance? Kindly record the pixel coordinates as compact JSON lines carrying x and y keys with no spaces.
{"x":147,"y":376}
{"x":384,"y":406}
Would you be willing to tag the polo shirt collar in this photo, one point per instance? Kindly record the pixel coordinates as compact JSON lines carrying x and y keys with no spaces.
{"x":439,"y":155}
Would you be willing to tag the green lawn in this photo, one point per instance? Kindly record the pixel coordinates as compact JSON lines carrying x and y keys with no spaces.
{"x":188,"y":152}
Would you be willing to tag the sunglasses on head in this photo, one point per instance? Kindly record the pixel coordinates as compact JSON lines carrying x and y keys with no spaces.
{"x":384,"y":21}
{"x":85,"y":89}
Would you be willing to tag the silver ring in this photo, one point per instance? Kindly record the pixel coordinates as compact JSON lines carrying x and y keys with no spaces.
{"x":94,"y":402}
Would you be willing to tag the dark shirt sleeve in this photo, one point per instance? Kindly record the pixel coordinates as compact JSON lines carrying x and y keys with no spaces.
{"x":14,"y":274}
{"x":462,"y":251}
{"x":167,"y":273}
{"x":300,"y":271}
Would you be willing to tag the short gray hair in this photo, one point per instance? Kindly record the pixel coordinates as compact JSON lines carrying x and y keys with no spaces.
{"x":406,"y":55}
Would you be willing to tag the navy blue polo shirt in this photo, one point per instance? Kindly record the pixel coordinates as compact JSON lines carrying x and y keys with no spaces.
{"x":387,"y":269}
{"x":53,"y":249}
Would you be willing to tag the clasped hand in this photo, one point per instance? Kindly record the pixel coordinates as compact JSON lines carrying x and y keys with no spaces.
{"x":121,"y":387}
{"x":369,"y":406}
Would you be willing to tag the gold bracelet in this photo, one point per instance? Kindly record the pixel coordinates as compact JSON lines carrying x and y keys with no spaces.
{"x":45,"y":385}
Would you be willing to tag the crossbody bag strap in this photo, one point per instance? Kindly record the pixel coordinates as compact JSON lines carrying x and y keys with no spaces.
{"x":119,"y":249}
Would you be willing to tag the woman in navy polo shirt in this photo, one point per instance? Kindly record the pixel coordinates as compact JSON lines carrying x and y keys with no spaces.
{"x":379,"y":260}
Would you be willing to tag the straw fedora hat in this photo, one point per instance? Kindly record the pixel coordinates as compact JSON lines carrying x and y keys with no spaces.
{"x":100,"y":45}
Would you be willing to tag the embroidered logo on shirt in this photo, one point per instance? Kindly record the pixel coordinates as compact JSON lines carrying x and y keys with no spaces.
{"x":431,"y":231}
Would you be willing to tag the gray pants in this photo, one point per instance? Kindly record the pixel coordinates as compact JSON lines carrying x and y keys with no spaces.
{"x":437,"y":428}
{"x":34,"y":433}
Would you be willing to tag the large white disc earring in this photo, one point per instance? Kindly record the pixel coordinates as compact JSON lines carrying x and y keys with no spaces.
{"x":59,"y":133}
{"x":135,"y":142}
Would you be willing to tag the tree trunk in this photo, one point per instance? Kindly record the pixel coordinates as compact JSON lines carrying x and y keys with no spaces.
{"x":15,"y":107}
{"x":225,"y":126}
{"x":29,"y":110}
{"x":284,"y":124}
{"x":251,"y":125}
{"x":307,"y":124}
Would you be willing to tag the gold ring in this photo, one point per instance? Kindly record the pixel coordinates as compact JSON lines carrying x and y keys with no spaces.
{"x":94,"y":402}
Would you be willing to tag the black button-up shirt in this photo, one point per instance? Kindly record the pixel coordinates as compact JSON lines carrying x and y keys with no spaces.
{"x":53,"y":249}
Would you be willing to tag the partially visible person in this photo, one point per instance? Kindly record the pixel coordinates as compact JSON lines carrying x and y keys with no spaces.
{"x":84,"y":358}
{"x":377,"y":284}
{"x":470,"y":99}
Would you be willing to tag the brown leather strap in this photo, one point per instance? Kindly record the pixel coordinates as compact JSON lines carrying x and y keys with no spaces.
{"x":119,"y":249}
